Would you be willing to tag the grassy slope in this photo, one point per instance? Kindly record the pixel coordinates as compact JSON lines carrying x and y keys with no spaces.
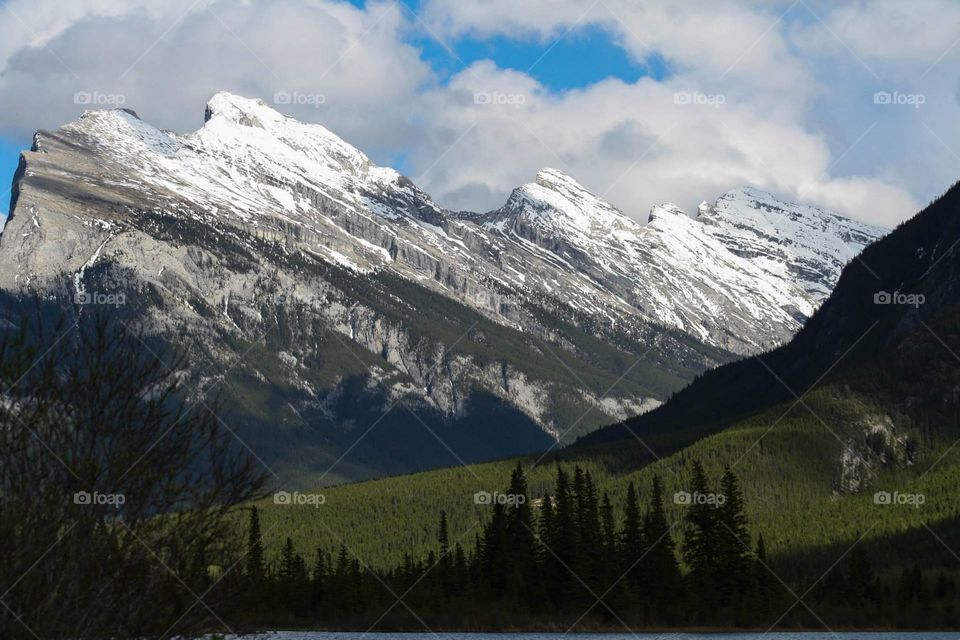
{"x":789,"y":475}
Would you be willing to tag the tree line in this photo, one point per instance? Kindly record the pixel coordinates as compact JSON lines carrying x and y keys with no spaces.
{"x":570,"y":560}
{"x":563,"y":559}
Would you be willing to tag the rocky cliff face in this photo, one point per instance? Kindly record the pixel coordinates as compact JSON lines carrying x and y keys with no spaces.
{"x":318,"y":291}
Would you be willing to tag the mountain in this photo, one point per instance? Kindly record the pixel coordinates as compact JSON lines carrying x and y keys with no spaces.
{"x":894,"y":291}
{"x":862,"y":454}
{"x":316,"y":291}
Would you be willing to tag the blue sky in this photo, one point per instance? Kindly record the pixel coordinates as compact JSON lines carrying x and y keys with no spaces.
{"x":579,"y":59}
{"x":9,"y":157}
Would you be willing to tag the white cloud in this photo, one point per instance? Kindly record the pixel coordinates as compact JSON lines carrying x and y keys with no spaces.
{"x":167,"y":64}
{"x":796,"y":92}
{"x":635,"y":145}
{"x":919,"y":31}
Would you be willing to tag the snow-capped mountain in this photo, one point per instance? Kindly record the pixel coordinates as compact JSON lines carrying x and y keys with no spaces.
{"x":789,"y":242}
{"x":555,"y":301}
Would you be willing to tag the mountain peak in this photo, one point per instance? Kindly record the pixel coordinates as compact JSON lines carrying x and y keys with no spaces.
{"x":245,"y":111}
{"x":800,"y":241}
{"x":557,"y":180}
{"x":234,"y":122}
{"x":666,"y":211}
{"x":558,"y":198}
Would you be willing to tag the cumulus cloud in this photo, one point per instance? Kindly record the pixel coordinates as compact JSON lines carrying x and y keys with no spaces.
{"x":345,"y":67}
{"x":775,"y":95}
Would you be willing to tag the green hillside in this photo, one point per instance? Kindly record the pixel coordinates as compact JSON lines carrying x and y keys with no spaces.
{"x":810,"y":471}
{"x":790,"y":475}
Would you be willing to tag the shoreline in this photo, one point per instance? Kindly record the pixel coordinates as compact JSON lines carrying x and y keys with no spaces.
{"x":606,"y":631}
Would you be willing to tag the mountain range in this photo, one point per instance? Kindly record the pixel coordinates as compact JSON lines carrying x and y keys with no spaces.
{"x":844,"y":441}
{"x":352,"y":327}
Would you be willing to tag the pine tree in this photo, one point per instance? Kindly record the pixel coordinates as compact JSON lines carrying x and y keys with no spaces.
{"x":293,"y":580}
{"x":732,"y":552}
{"x":342,"y":579}
{"x":461,"y":572}
{"x":547,"y":563}
{"x":589,"y":544}
{"x":521,"y":552}
{"x":631,"y":539}
{"x":563,"y":542}
{"x":319,"y":578}
{"x":256,"y":568}
{"x":287,"y":561}
{"x":661,"y":572}
{"x":493,"y":552}
{"x":443,"y":535}
{"x":610,"y":569}
{"x":765,"y":588}
{"x":545,"y":528}
{"x":700,"y":545}
{"x":444,"y":567}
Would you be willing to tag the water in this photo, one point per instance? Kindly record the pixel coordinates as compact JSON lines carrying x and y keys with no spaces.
{"x":811,"y":635}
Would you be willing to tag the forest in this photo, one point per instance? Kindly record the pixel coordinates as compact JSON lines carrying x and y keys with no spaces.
{"x":566,"y":562}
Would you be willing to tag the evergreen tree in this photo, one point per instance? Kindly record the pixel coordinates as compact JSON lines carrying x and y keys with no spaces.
{"x":700,"y":545}
{"x":764,"y":585}
{"x":443,"y":535}
{"x":343,"y":583}
{"x":610,"y":569}
{"x":631,"y":539}
{"x":589,"y":543}
{"x":545,"y":527}
{"x":460,"y":578}
{"x":732,"y":546}
{"x":444,"y":567}
{"x":319,"y":578}
{"x":493,"y":551}
{"x":255,"y":562}
{"x":660,"y":570}
{"x":287,"y":561}
{"x":293,"y":580}
{"x":547,"y":563}
{"x":521,"y":552}
{"x":562,"y":548}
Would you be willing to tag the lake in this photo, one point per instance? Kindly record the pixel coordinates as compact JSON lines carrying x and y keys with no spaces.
{"x":813,"y":635}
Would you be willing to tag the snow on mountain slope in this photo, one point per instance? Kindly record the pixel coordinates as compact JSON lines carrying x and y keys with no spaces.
{"x":738,"y":283}
{"x":790,"y":242}
{"x":744,"y":274}
{"x":256,"y":207}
